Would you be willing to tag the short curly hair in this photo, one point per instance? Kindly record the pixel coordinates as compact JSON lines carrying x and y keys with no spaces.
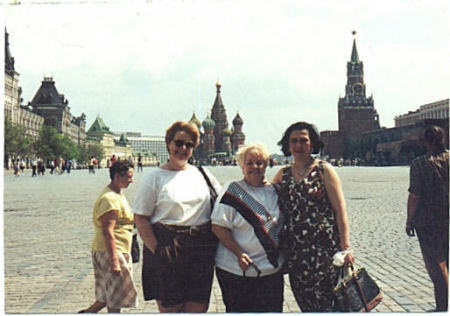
{"x":261,"y":149}
{"x":435,"y":136}
{"x":316,"y":143}
{"x":120,"y":167}
{"x":186,"y":127}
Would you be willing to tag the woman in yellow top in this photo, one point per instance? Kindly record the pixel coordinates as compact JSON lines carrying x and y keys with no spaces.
{"x":113,"y":221}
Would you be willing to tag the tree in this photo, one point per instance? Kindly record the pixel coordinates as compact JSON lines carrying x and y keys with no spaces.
{"x":52,"y":144}
{"x":95,"y":150}
{"x":17,"y":143}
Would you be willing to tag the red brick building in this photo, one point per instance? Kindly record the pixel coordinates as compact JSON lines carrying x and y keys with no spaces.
{"x":356,"y":111}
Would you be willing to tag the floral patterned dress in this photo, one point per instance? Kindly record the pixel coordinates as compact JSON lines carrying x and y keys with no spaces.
{"x":311,"y":239}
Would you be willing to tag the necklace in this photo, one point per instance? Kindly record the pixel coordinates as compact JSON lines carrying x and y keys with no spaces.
{"x":301,"y":172}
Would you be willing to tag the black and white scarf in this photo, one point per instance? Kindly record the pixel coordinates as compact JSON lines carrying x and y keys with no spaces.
{"x":266,"y":228}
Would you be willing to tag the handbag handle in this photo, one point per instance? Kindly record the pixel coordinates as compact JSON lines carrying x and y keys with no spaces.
{"x":256,"y":269}
{"x":344,"y":272}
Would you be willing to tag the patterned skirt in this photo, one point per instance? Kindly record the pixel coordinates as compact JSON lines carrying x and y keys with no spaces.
{"x":116,"y":291}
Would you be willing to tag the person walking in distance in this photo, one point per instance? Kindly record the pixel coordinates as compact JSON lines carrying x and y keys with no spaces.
{"x":140,"y":169}
{"x":34,"y":167}
{"x":427,"y":210}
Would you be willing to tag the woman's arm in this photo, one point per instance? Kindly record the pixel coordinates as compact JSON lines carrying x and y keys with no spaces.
{"x":412,"y":205}
{"x":336,"y":197}
{"x":108,"y":221}
{"x":278,"y":177}
{"x":225,"y":236}
{"x":146,"y":231}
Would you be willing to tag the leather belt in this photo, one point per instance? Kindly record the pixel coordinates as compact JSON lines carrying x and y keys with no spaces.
{"x":189,"y":230}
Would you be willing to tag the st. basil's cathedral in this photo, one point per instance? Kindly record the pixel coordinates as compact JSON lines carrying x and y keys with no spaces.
{"x":216,"y":139}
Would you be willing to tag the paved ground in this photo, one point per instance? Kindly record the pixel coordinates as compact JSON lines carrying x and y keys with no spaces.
{"x":48,"y":230}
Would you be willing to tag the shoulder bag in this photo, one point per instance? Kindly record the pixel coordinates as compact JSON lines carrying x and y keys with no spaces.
{"x":135,"y":251}
{"x":356,"y":291}
{"x":212,"y":192}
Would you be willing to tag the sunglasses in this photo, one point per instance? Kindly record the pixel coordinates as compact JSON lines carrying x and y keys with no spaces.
{"x":180,"y":143}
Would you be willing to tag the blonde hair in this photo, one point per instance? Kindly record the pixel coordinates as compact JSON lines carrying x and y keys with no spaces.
{"x":259,"y":148}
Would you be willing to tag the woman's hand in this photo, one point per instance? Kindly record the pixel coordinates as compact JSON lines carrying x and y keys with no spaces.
{"x":226,"y":237}
{"x":115,"y":267}
{"x":244,"y":261}
{"x":146,"y":232}
{"x":410,"y":231}
{"x":349,"y":258}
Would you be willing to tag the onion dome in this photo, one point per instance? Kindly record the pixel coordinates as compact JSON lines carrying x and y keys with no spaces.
{"x":194,"y":120}
{"x":226,"y":132}
{"x":208,"y":122}
{"x":238,"y":120}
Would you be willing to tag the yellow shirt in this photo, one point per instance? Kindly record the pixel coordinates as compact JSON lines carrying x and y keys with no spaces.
{"x":123,"y":231}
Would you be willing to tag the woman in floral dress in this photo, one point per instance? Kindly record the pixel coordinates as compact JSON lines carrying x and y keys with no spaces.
{"x":312,"y":199}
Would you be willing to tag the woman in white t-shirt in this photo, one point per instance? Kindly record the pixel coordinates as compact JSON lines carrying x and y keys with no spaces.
{"x":173,"y":216}
{"x":247,"y":221}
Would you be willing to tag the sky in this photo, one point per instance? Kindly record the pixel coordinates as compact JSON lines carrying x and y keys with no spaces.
{"x":141,"y":65}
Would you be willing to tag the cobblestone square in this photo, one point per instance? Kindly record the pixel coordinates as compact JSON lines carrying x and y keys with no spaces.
{"x":48,"y":230}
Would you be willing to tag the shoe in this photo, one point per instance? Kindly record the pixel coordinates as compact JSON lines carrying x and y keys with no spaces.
{"x":82,"y":311}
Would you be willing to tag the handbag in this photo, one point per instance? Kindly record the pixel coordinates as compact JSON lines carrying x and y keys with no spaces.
{"x":212,"y":192}
{"x":356,"y":291}
{"x":135,"y":251}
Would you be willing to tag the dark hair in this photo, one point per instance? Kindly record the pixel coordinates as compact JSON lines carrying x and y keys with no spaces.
{"x":316,"y":143}
{"x":120,"y":167}
{"x":435,"y":136}
{"x":178,"y":126}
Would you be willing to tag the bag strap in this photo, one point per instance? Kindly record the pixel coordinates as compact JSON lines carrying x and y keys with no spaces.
{"x":256,"y":269}
{"x":355,"y":279}
{"x":208,"y":181}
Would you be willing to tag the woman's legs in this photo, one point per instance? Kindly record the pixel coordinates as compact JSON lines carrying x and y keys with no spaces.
{"x":194,"y":307}
{"x":438,"y":273}
{"x":94,"y":308}
{"x":241,"y":295}
{"x":172,"y":309}
{"x":185,"y":307}
{"x":434,"y":246}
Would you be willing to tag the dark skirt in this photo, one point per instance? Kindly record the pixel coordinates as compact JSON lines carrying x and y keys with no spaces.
{"x":182,"y":268}
{"x":251,"y":294}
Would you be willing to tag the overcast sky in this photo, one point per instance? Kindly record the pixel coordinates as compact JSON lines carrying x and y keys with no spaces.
{"x":143,"y":65}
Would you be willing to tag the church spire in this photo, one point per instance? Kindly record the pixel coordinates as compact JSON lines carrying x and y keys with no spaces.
{"x":218,"y":85}
{"x":355,"y":57}
{"x":9,"y":60}
{"x":219,"y":116}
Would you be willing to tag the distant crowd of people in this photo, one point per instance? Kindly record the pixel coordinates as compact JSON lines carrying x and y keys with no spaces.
{"x":39,"y":166}
{"x":59,"y":165}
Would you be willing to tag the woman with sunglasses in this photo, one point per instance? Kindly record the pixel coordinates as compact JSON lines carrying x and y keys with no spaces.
{"x":173,"y":213}
{"x":247,"y":221}
{"x":311,"y":197}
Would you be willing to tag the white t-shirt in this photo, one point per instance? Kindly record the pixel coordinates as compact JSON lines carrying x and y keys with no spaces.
{"x":244,"y":234}
{"x":175,"y":197}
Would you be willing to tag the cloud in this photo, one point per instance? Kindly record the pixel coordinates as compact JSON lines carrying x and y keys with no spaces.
{"x":145,"y":64}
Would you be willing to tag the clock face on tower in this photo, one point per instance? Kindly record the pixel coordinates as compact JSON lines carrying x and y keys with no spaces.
{"x":357,"y":88}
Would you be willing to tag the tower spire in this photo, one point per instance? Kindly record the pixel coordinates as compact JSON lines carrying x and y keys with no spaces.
{"x":9,"y":60}
{"x":355,"y":57}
